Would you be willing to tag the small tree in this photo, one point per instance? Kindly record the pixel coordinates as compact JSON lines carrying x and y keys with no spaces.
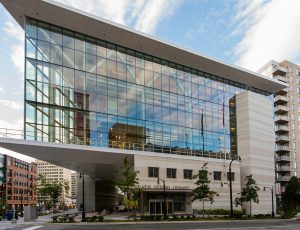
{"x":49,"y":192}
{"x":291,"y":196}
{"x":249,"y":193}
{"x":202,"y":190}
{"x":129,"y":184}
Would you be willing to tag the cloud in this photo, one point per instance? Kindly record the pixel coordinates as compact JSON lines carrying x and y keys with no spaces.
{"x":271,"y":30}
{"x":143,"y":15}
{"x":153,"y":13}
{"x":14,"y":31}
{"x":11,"y":104}
{"x":2,"y":90}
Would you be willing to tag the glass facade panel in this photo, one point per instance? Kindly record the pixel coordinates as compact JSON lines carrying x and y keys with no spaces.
{"x":88,"y":91}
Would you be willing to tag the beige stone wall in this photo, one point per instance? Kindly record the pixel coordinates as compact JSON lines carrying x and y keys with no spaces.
{"x":255,"y":134}
{"x":142,"y":162}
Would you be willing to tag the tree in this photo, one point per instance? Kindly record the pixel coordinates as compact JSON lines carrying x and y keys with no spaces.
{"x":249,"y":193}
{"x":49,"y":192}
{"x":128,"y":185}
{"x":291,"y":196}
{"x":202,"y":191}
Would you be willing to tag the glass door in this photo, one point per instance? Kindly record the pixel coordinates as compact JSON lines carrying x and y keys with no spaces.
{"x":155,"y":207}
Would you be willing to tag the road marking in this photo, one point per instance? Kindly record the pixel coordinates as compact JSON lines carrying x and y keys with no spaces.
{"x":32,"y":228}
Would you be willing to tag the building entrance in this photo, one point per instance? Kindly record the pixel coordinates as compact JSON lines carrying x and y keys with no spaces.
{"x":156,"y":206}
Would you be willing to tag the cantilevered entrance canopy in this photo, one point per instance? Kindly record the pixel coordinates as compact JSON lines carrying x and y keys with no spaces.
{"x":76,"y":20}
{"x":97,"y":162}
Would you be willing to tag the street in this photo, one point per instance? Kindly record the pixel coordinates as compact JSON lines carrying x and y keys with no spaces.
{"x":255,"y":224}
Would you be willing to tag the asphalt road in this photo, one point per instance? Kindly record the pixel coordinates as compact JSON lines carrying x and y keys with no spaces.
{"x":269,"y":224}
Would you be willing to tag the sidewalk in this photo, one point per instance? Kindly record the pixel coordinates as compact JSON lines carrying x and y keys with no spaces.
{"x":5,"y":224}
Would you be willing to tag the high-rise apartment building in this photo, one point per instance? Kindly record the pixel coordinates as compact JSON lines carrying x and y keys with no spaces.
{"x":287,"y":120}
{"x":74,"y":184}
{"x":17,"y":181}
{"x":97,"y":92}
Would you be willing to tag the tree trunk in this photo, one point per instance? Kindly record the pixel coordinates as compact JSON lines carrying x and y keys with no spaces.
{"x":250,"y":209}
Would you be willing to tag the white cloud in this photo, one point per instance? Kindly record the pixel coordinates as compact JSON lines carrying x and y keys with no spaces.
{"x":11,"y":104}
{"x":272,"y":31}
{"x":153,"y":13}
{"x":143,"y":15}
{"x":14,"y":31}
{"x":2,"y":90}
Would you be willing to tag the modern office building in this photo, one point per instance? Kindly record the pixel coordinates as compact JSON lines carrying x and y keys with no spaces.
{"x":97,"y":91}
{"x":17,"y":181}
{"x":287,"y":120}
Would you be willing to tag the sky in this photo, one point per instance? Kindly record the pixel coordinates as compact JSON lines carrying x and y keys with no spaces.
{"x":246,"y":33}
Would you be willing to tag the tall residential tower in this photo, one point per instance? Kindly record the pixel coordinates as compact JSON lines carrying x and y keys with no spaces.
{"x":287,"y":119}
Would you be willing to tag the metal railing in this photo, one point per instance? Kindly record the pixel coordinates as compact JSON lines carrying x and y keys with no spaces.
{"x":283,"y":178}
{"x":101,"y":142}
{"x":282,"y":98}
{"x":283,"y":168}
{"x":282,"y":148}
{"x":282,"y":128}
{"x":283,"y":158}
{"x":281,"y":108}
{"x":281,"y":118}
{"x":282,"y":138}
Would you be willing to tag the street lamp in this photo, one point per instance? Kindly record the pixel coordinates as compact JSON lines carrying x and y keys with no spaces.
{"x":83,"y":203}
{"x":237,"y":158}
{"x":164,"y":187}
{"x":271,"y":189}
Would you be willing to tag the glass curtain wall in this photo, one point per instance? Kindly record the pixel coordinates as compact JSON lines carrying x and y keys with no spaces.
{"x":88,"y":91}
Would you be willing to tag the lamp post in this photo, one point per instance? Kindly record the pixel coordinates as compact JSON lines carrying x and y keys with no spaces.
{"x":164,"y":187}
{"x":271,"y":189}
{"x":230,"y":183}
{"x":83,"y":202}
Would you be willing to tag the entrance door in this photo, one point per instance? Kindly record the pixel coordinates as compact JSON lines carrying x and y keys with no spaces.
{"x":170,"y":209}
{"x":155,"y":207}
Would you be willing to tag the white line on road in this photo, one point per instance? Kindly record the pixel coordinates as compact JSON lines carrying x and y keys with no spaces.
{"x":32,"y":228}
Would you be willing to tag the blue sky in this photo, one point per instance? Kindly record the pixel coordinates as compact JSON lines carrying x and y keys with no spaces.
{"x":247,"y":33}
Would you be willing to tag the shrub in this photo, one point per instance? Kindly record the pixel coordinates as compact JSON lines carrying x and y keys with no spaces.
{"x":100,"y":218}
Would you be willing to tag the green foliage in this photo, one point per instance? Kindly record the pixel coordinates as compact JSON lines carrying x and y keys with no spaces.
{"x":291,"y":196}
{"x":49,"y":193}
{"x":128,"y":185}
{"x":249,"y":193}
{"x":202,"y":190}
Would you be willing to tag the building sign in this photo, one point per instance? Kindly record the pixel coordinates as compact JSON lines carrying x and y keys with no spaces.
{"x":168,"y":187}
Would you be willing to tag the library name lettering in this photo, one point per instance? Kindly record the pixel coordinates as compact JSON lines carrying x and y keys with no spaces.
{"x":161,"y":187}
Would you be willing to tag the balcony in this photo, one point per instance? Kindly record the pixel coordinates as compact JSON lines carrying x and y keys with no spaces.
{"x":278,"y":70}
{"x":282,"y":158}
{"x":282,"y":138}
{"x":282,"y":128}
{"x":281,"y":118}
{"x":281,"y":109}
{"x":282,"y":148}
{"x":280,"y":78}
{"x":283,"y":178}
{"x":283,"y":168}
{"x":281,"y":99}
